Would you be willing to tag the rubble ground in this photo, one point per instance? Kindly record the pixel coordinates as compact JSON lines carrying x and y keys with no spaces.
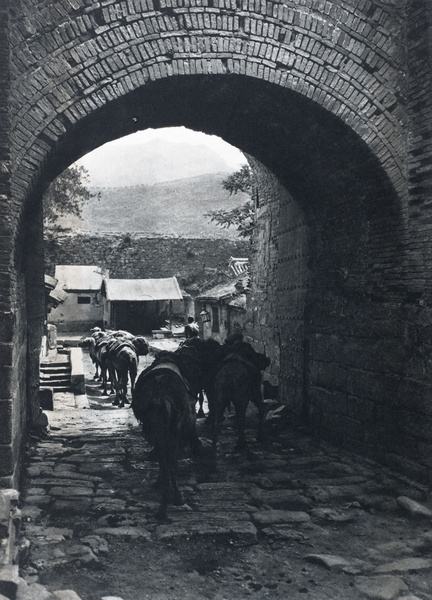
{"x":294,"y":520}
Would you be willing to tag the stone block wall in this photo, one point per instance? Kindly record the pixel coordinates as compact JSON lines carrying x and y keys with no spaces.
{"x":349,"y":342}
{"x":130,"y":257}
{"x":12,"y":396}
{"x":279,"y":284}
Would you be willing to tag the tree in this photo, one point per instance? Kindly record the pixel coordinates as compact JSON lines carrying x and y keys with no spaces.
{"x":240,"y":181}
{"x":65,"y":196}
{"x":242,"y":217}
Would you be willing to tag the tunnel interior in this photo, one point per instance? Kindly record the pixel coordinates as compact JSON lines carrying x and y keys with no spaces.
{"x":330,"y":244}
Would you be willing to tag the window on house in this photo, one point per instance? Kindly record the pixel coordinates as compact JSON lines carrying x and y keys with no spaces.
{"x":215,"y":319}
{"x":83,"y":299}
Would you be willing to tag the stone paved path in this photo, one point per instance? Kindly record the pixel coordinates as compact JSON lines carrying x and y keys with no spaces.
{"x":301,"y":520}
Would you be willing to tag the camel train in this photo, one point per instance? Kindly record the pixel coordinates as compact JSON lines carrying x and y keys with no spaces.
{"x":165,"y":393}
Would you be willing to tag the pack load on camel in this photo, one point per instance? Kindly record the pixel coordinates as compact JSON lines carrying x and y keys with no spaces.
{"x":238,"y":382}
{"x":165,"y":395}
{"x":163,"y":401}
{"x":115,"y":355}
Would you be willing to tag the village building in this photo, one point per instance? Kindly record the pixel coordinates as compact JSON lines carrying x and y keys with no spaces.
{"x":223,"y":306}
{"x":54,"y":294}
{"x":142,"y":305}
{"x":82,"y":308}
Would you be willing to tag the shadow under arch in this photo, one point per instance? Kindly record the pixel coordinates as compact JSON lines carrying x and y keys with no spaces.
{"x":337,"y":229}
{"x":325,"y":166}
{"x":289,"y":133}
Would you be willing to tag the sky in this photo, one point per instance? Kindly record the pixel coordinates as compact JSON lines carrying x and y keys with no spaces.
{"x":156,"y":155}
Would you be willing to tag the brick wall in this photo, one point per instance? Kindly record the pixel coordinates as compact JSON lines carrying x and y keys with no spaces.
{"x":279,"y":285}
{"x":8,"y":331}
{"x":332,"y":308}
{"x":72,"y":59}
{"x":419,"y":53}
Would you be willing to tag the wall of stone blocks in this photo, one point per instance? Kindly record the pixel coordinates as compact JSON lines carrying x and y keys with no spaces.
{"x":8,"y":326}
{"x":352,"y":360}
{"x":279,"y":283}
{"x":130,"y":257}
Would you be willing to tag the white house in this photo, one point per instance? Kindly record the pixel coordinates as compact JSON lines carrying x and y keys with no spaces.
{"x":83,"y":306}
{"x":224,"y":308}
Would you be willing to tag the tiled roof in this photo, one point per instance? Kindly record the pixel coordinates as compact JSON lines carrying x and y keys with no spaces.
{"x":238,"y":301}
{"x":225,"y":290}
{"x":238,"y":265}
{"x":58,"y":295}
{"x":50,"y":282}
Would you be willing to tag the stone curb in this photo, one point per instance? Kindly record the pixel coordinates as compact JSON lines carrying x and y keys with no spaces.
{"x":10,"y":520}
{"x":77,"y":372}
{"x":12,"y":587}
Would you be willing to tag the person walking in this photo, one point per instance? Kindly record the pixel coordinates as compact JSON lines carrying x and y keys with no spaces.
{"x":191,"y":329}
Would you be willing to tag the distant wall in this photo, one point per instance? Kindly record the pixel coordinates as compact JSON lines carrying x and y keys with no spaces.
{"x":129,"y":257}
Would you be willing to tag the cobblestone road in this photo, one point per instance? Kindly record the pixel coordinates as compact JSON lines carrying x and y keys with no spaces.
{"x":301,"y":520}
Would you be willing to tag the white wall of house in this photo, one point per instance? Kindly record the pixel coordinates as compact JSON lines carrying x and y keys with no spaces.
{"x":79,"y":312}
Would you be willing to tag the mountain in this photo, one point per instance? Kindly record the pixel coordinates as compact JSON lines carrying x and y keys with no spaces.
{"x":152,"y":162}
{"x":171,"y":208}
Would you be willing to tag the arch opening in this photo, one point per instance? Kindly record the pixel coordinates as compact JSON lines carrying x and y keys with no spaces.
{"x":145,"y":214}
{"x":330,"y":239}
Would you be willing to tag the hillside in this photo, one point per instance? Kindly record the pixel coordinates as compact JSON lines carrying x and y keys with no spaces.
{"x":159,"y":160}
{"x":173,"y":208}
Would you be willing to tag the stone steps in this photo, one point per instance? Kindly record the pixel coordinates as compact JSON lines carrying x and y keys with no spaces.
{"x":56,"y":374}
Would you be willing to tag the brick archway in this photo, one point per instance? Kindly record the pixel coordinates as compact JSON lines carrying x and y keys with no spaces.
{"x":70,"y":59}
{"x":315,"y":92}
